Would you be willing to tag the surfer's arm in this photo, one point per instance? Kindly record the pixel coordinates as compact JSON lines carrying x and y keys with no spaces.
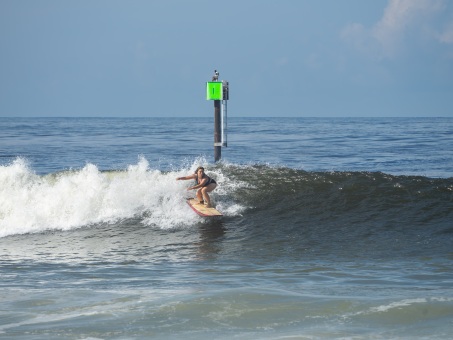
{"x":198,"y":185}
{"x":186,"y":177}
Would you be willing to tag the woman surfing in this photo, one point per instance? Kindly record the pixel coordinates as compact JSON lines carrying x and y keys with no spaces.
{"x":205,"y":184}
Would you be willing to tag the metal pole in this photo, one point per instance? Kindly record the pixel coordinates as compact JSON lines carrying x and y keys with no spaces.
{"x":217,"y":132}
{"x":224,"y":124}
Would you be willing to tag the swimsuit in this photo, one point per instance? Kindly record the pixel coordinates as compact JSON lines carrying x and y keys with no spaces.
{"x":210,"y":181}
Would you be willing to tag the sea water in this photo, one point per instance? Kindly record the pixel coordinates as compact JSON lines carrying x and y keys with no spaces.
{"x":332,"y":228}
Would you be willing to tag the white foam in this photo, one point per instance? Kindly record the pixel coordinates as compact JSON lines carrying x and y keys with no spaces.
{"x":398,"y":304}
{"x":72,"y":199}
{"x":409,"y":302}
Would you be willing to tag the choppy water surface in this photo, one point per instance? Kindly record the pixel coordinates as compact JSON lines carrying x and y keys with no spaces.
{"x":332,"y":229}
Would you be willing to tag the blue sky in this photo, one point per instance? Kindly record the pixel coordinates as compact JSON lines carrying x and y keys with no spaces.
{"x":298,"y":58}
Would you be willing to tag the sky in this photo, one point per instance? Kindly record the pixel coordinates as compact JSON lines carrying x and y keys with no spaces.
{"x":294,"y":58}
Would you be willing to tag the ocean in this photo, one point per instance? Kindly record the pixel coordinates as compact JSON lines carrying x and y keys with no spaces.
{"x":333,"y":228}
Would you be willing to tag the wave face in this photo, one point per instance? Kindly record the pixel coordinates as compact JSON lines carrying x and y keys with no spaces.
{"x":357,"y":213}
{"x":360,"y":213}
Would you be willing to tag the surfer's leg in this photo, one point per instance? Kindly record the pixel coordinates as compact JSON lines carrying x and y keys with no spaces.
{"x":205,"y":191}
{"x":200,"y":196}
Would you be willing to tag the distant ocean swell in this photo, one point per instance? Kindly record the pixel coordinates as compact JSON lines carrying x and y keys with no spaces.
{"x":280,"y":200}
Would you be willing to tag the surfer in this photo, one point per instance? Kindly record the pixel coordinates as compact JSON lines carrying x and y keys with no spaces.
{"x":205,"y":184}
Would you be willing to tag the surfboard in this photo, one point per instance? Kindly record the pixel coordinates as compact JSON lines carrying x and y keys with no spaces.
{"x":201,"y":209}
